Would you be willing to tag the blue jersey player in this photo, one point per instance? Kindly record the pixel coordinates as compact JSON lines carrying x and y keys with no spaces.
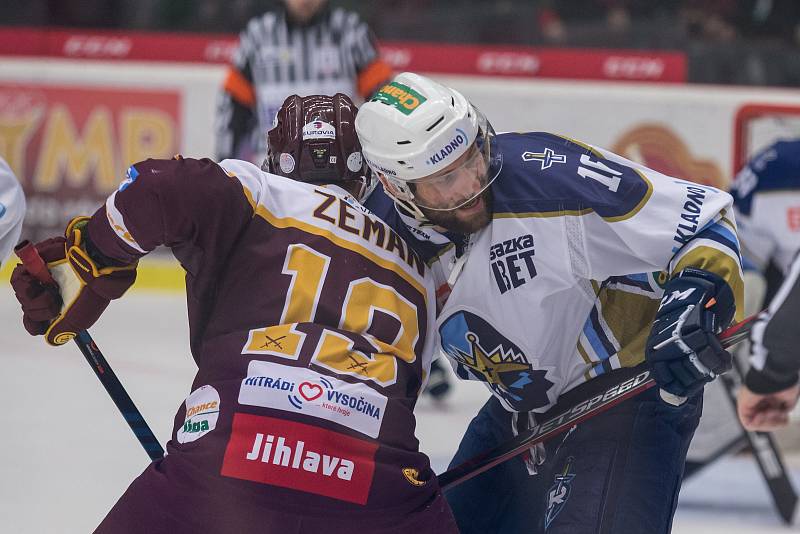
{"x":560,"y":265}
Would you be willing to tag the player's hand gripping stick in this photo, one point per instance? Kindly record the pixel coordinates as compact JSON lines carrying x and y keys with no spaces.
{"x":629,"y":382}
{"x":37,"y":268}
{"x":683,"y":350}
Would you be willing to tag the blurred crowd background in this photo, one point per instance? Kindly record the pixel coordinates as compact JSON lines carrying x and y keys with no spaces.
{"x":746,"y":42}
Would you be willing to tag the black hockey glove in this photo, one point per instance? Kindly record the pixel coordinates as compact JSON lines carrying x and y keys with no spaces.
{"x":683,"y":350}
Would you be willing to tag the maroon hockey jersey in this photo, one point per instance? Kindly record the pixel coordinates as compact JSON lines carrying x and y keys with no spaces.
{"x":311,"y":325}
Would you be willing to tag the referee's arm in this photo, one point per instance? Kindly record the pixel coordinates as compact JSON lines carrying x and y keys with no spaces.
{"x":372,"y":71}
{"x":775,"y":348}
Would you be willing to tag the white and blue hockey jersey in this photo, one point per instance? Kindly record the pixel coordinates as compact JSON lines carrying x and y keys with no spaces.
{"x":12,"y":210}
{"x":766,"y":196}
{"x":563,"y":285}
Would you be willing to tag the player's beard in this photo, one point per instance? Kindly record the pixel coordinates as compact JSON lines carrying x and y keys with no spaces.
{"x":463,"y":220}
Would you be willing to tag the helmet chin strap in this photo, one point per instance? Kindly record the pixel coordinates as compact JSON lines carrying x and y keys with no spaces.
{"x":407,"y":205}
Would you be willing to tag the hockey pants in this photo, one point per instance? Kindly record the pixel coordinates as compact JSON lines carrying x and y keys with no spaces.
{"x":619,"y":472}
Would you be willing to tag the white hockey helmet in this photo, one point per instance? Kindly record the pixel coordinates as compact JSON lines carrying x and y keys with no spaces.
{"x":412,"y":132}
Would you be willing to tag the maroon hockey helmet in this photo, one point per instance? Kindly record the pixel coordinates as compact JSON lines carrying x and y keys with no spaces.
{"x":314,"y":140}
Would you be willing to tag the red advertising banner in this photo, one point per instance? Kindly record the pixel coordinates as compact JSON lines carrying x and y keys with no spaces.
{"x":513,"y":61}
{"x":70,"y":146}
{"x":525,"y":62}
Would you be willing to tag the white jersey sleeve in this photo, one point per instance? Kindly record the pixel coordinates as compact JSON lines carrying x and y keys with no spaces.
{"x":675,"y":223}
{"x":12,"y":210}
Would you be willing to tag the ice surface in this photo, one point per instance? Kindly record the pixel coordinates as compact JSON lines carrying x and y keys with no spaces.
{"x":67,"y":455}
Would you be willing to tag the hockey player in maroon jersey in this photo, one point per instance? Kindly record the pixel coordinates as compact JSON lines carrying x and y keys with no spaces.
{"x":311,"y":323}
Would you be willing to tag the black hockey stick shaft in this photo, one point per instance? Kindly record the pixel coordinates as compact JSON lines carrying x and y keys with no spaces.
{"x":768,"y":457}
{"x":631,"y":384}
{"x":38,"y":269}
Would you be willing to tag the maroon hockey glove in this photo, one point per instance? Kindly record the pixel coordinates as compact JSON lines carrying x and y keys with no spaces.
{"x":82,"y":292}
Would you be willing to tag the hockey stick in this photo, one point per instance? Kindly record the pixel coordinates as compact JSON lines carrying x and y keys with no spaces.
{"x":632,"y":382}
{"x":38,"y":269}
{"x":767,"y":456}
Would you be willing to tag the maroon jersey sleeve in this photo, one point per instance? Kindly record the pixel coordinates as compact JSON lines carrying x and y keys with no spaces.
{"x":192,"y":206}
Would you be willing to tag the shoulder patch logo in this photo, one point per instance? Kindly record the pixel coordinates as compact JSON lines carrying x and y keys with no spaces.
{"x":546,"y":158}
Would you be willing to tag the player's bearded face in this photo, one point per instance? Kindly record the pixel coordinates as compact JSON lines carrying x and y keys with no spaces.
{"x":458,"y":198}
{"x":466,"y":219}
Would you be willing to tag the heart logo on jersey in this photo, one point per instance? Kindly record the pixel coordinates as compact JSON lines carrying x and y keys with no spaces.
{"x":310,"y":391}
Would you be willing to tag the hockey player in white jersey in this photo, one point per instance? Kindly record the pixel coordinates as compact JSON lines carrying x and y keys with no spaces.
{"x":12,"y":210}
{"x":564,"y":263}
{"x":766,"y":196}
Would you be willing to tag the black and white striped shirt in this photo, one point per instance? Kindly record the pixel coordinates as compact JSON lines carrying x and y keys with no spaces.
{"x":775,"y":339}
{"x":334,"y":52}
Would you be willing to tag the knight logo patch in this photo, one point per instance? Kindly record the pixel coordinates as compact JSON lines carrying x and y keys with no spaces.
{"x":559,"y":492}
{"x":482,"y":353}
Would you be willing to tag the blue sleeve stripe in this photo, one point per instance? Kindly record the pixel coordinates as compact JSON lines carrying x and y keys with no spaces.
{"x":725,"y":232}
{"x":594,"y":333}
{"x":723,"y":237}
{"x":639,"y":280}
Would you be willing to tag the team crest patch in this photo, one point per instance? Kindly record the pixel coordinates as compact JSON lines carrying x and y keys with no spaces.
{"x":559,"y":492}
{"x":545,"y":158}
{"x":482,"y":353}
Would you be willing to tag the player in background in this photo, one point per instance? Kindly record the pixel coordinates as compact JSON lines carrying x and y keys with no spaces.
{"x":311,"y":323}
{"x":304,"y":47}
{"x":766,"y":196}
{"x":564,"y":263}
{"x":12,"y":210}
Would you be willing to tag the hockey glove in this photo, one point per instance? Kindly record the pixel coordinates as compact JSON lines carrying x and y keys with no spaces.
{"x":84,"y":287}
{"x":683,"y":350}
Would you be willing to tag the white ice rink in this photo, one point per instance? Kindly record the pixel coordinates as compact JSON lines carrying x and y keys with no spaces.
{"x":67,"y":454}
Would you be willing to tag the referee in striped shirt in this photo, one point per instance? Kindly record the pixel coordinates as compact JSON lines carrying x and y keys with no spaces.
{"x":305,"y":47}
{"x":770,"y":390}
